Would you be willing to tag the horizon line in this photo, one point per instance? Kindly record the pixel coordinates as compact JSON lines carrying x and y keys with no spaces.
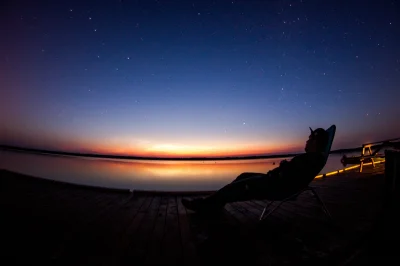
{"x":188,"y":158}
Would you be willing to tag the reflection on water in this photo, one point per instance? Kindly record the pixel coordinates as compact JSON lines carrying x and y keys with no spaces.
{"x":141,"y":175}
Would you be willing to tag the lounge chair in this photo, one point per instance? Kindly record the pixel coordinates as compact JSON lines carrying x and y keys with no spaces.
{"x":284,"y":197}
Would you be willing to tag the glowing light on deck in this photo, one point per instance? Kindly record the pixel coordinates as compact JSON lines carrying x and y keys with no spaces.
{"x":347,"y":169}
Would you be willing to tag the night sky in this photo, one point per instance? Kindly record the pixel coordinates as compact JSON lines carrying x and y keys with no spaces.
{"x":168,"y":78}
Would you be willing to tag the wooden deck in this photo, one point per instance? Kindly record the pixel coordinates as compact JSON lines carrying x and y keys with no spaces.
{"x":61,"y":224}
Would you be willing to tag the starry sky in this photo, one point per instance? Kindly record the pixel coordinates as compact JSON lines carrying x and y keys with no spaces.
{"x":197,"y":78}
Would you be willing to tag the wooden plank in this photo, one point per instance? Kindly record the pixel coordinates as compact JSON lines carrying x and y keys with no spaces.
{"x":66,"y":215}
{"x":188,"y":248}
{"x":131,"y":229}
{"x":171,"y":247}
{"x":128,"y":215}
{"x":75,"y":239}
{"x":46,"y":227}
{"x":136,"y":252}
{"x":248,"y":210}
{"x":277,"y":218}
{"x":228,"y":219}
{"x":131,"y":233}
{"x":98,"y":235}
{"x":305,"y":227}
{"x":279,"y":214}
{"x":239,"y":206}
{"x":106,"y":237}
{"x":154,"y":251}
{"x":208,"y":230}
{"x":42,"y":225}
{"x":238,"y":215}
{"x":112,"y":228}
{"x":304,"y":208}
{"x":261,"y":246}
{"x":253,"y":208}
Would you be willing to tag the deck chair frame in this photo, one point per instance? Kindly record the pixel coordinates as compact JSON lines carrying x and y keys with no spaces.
{"x":265,"y":213}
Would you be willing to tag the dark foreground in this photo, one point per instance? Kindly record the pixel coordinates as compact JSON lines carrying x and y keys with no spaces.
{"x":47,"y":222}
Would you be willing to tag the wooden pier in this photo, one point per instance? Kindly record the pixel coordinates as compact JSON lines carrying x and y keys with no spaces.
{"x":54,"y":223}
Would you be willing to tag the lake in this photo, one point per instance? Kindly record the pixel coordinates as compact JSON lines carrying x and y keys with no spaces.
{"x":141,"y":174}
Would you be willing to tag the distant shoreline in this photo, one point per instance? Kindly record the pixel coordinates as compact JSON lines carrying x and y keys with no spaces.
{"x":121,"y":157}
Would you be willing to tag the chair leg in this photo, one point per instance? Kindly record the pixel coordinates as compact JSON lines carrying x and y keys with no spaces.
{"x":265,"y":209}
{"x":321,"y":203}
{"x":276,"y":207}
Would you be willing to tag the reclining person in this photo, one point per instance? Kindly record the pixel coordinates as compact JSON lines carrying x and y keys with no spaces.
{"x":289,"y":177}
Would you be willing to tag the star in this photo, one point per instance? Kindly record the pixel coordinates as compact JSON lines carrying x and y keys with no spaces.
{"x":90,"y":18}
{"x":95,"y":29}
{"x":128,"y":58}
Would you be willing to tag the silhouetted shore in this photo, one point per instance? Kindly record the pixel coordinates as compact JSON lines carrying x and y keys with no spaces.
{"x":121,"y":157}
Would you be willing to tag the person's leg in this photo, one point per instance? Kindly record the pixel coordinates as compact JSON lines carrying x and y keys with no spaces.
{"x":245,"y":176}
{"x":240,"y":190}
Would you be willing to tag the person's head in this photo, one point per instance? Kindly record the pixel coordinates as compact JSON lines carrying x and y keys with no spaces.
{"x":317,"y":140}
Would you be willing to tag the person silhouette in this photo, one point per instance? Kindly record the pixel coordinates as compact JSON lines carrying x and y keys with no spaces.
{"x":289,"y":175}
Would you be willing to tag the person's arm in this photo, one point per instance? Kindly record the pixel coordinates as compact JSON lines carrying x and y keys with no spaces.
{"x":302,"y":167}
{"x":297,"y":165}
{"x":282,"y":169}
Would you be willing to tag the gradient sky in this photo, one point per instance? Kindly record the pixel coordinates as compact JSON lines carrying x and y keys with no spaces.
{"x":167,"y":78}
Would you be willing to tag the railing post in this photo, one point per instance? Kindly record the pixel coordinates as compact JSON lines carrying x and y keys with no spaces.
{"x":361,"y":159}
{"x":392,"y":178}
{"x":388,"y":230}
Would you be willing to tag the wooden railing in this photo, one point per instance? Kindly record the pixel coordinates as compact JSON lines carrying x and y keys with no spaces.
{"x":378,"y":145}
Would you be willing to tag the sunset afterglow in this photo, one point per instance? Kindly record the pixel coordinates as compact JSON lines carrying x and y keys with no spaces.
{"x":211,"y":78}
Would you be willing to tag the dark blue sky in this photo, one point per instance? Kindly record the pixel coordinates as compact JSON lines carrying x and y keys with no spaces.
{"x":197,"y":77}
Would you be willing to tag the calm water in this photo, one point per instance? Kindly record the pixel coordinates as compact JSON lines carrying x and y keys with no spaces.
{"x":140,"y":175}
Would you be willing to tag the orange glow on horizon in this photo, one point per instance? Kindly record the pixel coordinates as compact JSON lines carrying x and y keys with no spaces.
{"x":126,"y":145}
{"x":179,"y":150}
